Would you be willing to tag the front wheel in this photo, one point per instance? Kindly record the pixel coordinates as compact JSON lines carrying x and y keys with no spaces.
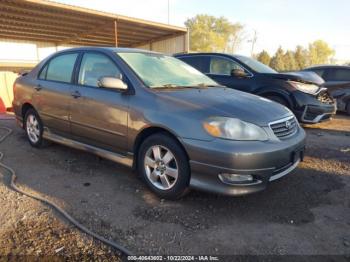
{"x":163,"y":165}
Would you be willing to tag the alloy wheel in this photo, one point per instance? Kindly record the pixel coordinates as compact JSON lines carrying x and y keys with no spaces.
{"x":33,"y":129}
{"x":161,"y":167}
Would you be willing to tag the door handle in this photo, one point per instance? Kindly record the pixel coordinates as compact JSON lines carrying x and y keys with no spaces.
{"x":76,"y":94}
{"x":38,"y":87}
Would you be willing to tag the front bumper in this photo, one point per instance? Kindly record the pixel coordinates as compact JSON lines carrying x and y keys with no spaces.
{"x":314,"y":109}
{"x":264,"y":161}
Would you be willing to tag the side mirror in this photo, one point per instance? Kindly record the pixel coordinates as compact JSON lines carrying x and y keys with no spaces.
{"x":238,"y":73}
{"x":113,"y":83}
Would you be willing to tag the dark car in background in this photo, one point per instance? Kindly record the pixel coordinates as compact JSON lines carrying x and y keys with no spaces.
{"x":301,"y":93}
{"x":155,"y":113}
{"x":337,"y":80}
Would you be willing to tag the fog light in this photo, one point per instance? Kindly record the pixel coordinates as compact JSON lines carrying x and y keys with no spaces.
{"x":235,"y":178}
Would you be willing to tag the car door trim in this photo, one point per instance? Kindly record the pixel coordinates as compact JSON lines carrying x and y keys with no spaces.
{"x":118,"y":158}
{"x":64,"y":118}
{"x":98,"y":129}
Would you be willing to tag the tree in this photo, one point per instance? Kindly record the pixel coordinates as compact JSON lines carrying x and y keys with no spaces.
{"x":320,"y":52}
{"x":301,"y":56}
{"x":264,"y":57}
{"x":212,"y":34}
{"x":289,"y":61}
{"x":277,"y":61}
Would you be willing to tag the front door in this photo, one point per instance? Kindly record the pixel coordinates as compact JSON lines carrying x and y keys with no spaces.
{"x":220,"y":71}
{"x":99,"y":115}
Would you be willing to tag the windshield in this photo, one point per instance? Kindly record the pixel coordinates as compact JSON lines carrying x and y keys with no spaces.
{"x":161,"y":71}
{"x":255,"y":65}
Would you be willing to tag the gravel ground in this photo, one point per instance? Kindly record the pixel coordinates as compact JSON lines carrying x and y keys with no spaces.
{"x":305,"y":213}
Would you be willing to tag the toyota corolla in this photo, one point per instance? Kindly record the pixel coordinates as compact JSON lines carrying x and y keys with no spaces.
{"x":155,"y":113}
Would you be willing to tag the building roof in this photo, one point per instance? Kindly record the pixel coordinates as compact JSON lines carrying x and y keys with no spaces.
{"x":47,"y":21}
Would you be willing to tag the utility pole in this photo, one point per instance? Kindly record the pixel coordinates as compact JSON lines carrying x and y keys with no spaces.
{"x":253,"y":41}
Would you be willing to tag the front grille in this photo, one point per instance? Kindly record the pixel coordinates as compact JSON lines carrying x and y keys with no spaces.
{"x":324,"y":97}
{"x":285,"y":127}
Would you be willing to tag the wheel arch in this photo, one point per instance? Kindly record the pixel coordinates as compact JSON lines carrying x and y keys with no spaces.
{"x":25,"y":107}
{"x":149,"y":131}
{"x":281,"y":94}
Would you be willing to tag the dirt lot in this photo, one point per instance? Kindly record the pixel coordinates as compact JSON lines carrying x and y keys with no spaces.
{"x":305,"y":213}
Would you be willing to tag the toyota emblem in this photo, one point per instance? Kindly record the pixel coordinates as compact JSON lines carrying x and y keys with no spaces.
{"x":288,"y":124}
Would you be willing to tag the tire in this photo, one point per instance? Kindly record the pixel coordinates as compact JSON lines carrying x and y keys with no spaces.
{"x":34,"y":128}
{"x":348,"y":108}
{"x":279,"y":100}
{"x":159,"y":157}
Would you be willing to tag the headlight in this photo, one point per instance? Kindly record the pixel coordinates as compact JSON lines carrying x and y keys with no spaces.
{"x":234,"y":129}
{"x":306,"y":88}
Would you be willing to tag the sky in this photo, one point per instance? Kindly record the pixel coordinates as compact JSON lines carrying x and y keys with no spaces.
{"x":285,"y":23}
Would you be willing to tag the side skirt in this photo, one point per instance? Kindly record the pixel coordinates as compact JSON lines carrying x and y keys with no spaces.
{"x":124,"y":160}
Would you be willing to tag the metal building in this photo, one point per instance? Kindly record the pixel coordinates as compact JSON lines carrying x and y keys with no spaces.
{"x":30,"y":30}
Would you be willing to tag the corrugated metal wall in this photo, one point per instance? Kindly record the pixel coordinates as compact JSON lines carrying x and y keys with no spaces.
{"x":170,"y":46}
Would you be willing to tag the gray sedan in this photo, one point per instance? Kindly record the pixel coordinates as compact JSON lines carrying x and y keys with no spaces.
{"x":162,"y":117}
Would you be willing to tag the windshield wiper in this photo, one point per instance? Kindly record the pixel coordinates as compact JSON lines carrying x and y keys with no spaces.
{"x":206,"y":85}
{"x":201,"y":85}
{"x":166,"y":86}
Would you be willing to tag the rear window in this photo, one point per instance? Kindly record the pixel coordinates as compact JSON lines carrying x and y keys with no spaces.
{"x":59,"y":68}
{"x":339,"y":75}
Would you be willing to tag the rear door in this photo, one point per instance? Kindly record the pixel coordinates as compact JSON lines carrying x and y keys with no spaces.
{"x":99,"y":115}
{"x":220,"y":70}
{"x":53,"y":92}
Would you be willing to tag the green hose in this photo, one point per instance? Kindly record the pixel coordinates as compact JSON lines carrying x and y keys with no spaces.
{"x":14,"y":187}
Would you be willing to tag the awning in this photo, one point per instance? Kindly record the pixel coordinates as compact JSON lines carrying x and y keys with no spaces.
{"x":39,"y":20}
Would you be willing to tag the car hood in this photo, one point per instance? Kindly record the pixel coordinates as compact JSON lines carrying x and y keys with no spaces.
{"x":304,"y":77}
{"x":226,"y":102}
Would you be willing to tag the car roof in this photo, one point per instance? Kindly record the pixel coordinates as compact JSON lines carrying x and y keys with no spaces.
{"x":208,"y":54}
{"x":111,"y":49}
{"x":328,"y":67}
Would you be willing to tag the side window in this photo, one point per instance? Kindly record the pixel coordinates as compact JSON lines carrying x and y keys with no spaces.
{"x":222,"y":66}
{"x":61,"y":68}
{"x":201,"y":63}
{"x":94,"y":66}
{"x":339,"y":75}
{"x":43,"y":72}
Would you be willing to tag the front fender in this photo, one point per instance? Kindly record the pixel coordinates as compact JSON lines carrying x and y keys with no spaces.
{"x":271,"y":90}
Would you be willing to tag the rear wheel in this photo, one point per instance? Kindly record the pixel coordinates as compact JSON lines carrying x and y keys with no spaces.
{"x":163,"y":165}
{"x":34,"y":128}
